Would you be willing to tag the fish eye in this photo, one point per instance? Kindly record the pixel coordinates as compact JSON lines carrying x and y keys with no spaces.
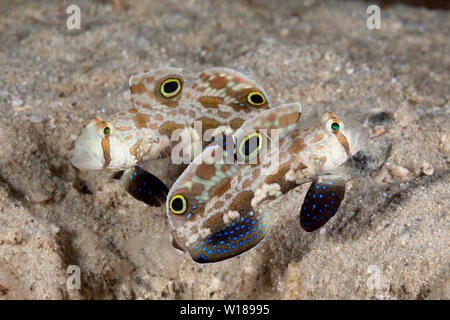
{"x":335,"y":126}
{"x":107,"y":131}
{"x":250,"y":145}
{"x":170,"y":87}
{"x":178,"y":204}
{"x":256,"y":98}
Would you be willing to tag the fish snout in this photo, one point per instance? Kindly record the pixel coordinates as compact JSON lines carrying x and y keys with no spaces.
{"x":88,"y":153}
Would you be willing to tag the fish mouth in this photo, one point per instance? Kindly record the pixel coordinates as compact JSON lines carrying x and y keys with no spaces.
{"x":86,"y":160}
{"x":87,"y":154}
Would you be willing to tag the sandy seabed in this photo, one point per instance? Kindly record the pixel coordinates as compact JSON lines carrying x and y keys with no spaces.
{"x":389,"y":240}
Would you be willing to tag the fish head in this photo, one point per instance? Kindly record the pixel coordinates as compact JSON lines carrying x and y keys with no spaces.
{"x":102,"y":146}
{"x":334,"y":140}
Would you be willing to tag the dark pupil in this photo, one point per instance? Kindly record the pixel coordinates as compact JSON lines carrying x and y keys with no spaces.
{"x":335,"y":126}
{"x":256,"y":98}
{"x":177,"y":204}
{"x":170,"y":87}
{"x":250,"y":145}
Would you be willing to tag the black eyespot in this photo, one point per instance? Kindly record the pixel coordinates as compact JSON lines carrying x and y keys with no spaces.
{"x":250,"y":145}
{"x":178,"y":204}
{"x":106,"y":131}
{"x":170,"y":87}
{"x":256,"y":98}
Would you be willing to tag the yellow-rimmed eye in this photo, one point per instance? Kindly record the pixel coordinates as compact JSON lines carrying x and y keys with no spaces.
{"x":256,"y":98}
{"x":250,"y":146}
{"x":170,"y":87}
{"x":178,"y":204}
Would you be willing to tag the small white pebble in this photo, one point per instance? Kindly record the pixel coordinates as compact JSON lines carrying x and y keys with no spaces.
{"x":444,"y":144}
{"x":397,"y":25}
{"x":427,"y":168}
{"x":399,"y":171}
{"x":215,"y":284}
{"x":35,"y":118}
{"x":54,"y":228}
{"x":16,"y":102}
{"x":284,"y":32}
{"x":323,"y":231}
{"x":404,"y":238}
{"x":329,"y":55}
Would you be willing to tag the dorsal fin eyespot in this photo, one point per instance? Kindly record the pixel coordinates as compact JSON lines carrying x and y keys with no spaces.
{"x":156,"y":87}
{"x":213,"y":87}
{"x":231,"y":87}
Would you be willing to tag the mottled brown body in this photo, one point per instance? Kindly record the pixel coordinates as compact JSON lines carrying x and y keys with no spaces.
{"x":219,"y":197}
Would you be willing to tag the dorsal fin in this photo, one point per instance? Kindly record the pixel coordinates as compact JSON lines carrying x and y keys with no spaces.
{"x":156,"y":87}
{"x":228,"y":87}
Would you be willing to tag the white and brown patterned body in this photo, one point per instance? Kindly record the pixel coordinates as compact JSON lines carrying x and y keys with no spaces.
{"x":165,"y":102}
{"x":219,"y":97}
{"x":215,"y":208}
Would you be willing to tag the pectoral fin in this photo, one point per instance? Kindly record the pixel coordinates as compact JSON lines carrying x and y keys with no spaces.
{"x":143,"y":186}
{"x":232,"y":239}
{"x":322,"y":201}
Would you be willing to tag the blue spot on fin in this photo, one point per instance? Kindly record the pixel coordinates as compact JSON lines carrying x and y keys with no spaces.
{"x":144,"y":186}
{"x":221,"y":247}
